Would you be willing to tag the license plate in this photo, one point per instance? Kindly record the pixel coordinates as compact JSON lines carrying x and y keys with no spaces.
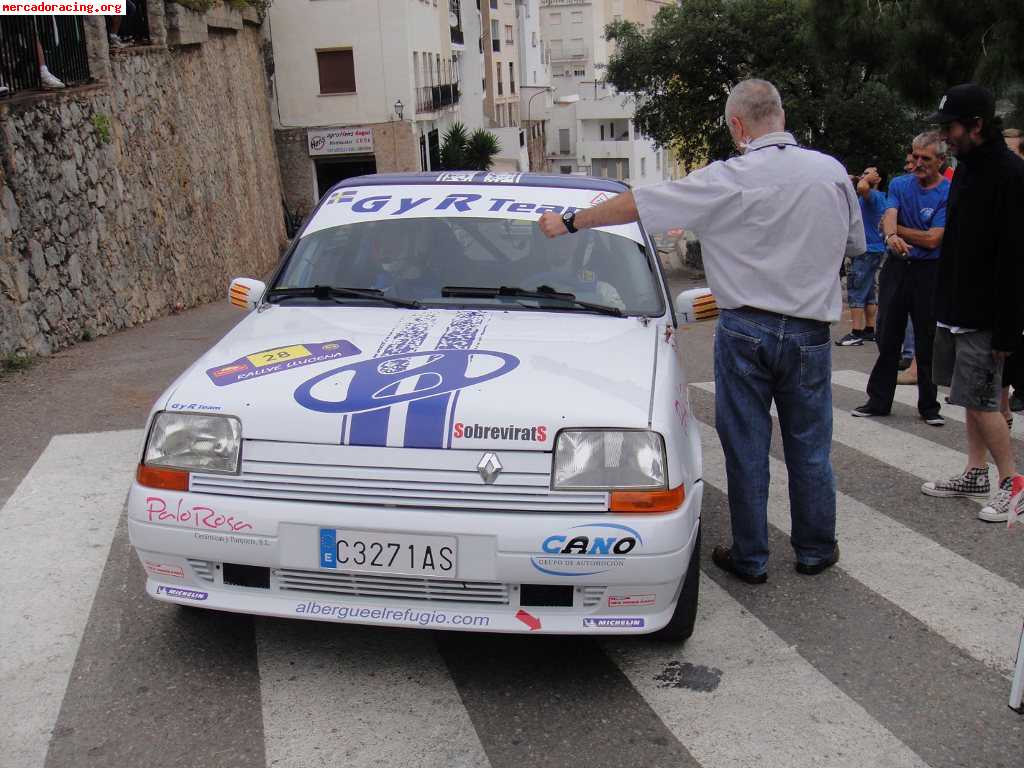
{"x":383,"y":552}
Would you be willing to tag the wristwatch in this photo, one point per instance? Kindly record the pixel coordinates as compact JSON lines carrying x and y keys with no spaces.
{"x":569,"y":219}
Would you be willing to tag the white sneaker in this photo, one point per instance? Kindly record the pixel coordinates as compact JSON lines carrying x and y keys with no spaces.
{"x":1006,"y":499}
{"x":116,"y":42}
{"x":3,"y":88}
{"x":47,"y":79}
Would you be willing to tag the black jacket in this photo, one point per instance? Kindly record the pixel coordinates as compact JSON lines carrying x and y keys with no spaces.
{"x":981,"y":271}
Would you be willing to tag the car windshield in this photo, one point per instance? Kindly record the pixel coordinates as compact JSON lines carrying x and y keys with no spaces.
{"x":424,"y":259}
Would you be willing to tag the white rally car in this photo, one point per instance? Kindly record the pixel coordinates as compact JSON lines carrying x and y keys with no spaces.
{"x":435,"y":417}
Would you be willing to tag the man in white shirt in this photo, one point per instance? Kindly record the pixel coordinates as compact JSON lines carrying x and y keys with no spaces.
{"x":774,"y":224}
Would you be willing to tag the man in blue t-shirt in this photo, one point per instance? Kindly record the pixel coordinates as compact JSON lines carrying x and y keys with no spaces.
{"x":912,"y":229}
{"x":860,"y":280}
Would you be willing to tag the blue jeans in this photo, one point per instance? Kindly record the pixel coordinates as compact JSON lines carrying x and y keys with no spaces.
{"x":761,"y":356}
{"x":860,"y":280}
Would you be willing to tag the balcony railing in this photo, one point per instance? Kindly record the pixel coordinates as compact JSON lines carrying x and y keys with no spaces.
{"x":454,"y":10}
{"x":432,"y":98}
{"x":62,"y":39}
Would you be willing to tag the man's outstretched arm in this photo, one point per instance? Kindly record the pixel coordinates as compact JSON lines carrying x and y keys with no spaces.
{"x":621,"y":209}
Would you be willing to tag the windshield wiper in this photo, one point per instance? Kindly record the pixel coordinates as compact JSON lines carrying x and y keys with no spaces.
{"x":544,"y":292}
{"x":333,"y":292}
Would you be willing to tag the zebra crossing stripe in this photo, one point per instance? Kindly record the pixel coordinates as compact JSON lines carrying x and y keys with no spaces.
{"x":340,"y":695}
{"x":914,"y":455}
{"x":970,"y":607}
{"x":858,"y":380}
{"x":58,"y":525}
{"x":736,"y":694}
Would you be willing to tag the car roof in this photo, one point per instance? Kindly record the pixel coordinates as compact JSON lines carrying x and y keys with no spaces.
{"x":486,"y":178}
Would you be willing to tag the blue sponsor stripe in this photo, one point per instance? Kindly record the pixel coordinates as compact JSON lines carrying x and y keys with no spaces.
{"x":425,"y":421}
{"x":370,"y":428}
{"x":328,"y":548}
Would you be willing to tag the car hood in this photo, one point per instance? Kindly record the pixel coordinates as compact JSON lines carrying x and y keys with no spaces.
{"x":424,"y":378}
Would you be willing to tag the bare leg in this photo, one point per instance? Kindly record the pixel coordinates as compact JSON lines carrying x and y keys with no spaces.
{"x":988,"y":430}
{"x":857,"y":316}
{"x":871,"y":312}
{"x":1004,"y":403}
{"x":40,"y":58}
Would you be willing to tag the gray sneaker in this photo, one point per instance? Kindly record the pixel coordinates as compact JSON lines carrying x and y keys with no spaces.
{"x":998,"y":509}
{"x":973,"y":482}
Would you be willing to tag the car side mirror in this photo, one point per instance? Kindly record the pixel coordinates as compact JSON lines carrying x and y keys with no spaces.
{"x":696,"y":305}
{"x":245,"y":293}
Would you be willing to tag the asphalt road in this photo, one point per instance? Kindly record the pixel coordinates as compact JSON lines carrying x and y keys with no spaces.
{"x":899,"y":656}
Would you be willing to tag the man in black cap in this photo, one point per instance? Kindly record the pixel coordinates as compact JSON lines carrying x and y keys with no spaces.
{"x":979,"y":301}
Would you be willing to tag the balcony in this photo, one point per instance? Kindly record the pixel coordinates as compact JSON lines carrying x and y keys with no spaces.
{"x":455,"y":12}
{"x":63,"y":42}
{"x":572,"y":54}
{"x":433,"y":98}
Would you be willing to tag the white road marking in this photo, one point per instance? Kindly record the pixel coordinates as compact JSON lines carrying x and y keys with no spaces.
{"x":908,"y":396}
{"x":972,"y":608}
{"x":57,"y":528}
{"x":770,"y":707}
{"x":343,"y":695}
{"x":871,"y":436}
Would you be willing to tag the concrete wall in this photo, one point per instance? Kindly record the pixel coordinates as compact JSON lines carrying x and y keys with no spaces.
{"x":123,"y":201}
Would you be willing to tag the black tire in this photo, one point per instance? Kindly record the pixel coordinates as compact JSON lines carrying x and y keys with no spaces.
{"x":680,"y":626}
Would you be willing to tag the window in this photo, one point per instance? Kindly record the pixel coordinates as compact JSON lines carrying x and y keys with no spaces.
{"x":602,"y":131}
{"x":495,"y":35}
{"x":508,"y":33}
{"x":555,"y":19}
{"x":533,"y":38}
{"x":611,"y":168}
{"x":565,"y":168}
{"x":643,"y":166}
{"x":494,"y":4}
{"x":500,"y":88}
{"x":657,"y":161}
{"x":576,"y":17}
{"x":511,"y":77}
{"x":563,"y":141}
{"x":416,"y":67}
{"x":337,"y":71}
{"x":579,"y":72}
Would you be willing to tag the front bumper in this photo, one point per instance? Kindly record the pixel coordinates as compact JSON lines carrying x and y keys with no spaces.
{"x":185,"y":539}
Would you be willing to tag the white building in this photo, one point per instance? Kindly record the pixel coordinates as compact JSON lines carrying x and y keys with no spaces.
{"x":365,"y":86}
{"x":595,"y":136}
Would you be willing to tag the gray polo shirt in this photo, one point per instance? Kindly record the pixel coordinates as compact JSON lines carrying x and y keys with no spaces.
{"x":774,"y":225}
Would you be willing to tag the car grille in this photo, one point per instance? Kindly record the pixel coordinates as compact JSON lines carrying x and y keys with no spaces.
{"x":398,"y":587}
{"x":396,"y":477}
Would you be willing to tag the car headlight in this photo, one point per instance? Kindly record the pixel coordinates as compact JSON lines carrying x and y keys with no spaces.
{"x":194,"y":442}
{"x":599,"y":459}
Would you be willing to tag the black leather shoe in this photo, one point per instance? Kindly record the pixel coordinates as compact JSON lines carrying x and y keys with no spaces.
{"x":811,"y":570}
{"x":722,"y":557}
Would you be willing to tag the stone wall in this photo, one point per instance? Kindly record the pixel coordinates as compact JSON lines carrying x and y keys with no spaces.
{"x":123,"y":201}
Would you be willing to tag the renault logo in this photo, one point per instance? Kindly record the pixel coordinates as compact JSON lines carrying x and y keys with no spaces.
{"x":489,"y":468}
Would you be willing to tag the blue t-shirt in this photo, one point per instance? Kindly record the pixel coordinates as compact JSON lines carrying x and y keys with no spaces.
{"x":871,"y":210}
{"x":919,"y":209}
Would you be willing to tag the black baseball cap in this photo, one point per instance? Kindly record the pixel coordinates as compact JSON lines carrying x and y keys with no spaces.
{"x":965,"y":102}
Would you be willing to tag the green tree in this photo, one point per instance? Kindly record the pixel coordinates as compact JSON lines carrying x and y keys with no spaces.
{"x":462,"y":151}
{"x":481,"y":149}
{"x":682,"y":68}
{"x":453,"y":148}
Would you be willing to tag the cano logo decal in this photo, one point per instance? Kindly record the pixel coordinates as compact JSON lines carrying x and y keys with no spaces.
{"x":588,"y":549}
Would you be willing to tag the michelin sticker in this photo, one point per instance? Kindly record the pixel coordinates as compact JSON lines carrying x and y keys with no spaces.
{"x":626,"y":622}
{"x":586,"y":550}
{"x":287,"y":358}
{"x":181,"y":593}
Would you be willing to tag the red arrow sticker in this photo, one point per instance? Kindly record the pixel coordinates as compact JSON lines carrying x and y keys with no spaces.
{"x":531,"y":621}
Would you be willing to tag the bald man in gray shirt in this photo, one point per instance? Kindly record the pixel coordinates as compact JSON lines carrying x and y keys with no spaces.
{"x":774,"y":225}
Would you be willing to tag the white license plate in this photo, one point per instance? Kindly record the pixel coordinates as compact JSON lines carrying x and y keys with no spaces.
{"x":383,"y":552}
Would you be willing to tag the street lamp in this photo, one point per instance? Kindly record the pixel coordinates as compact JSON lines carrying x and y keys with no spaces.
{"x":399,"y":108}
{"x":561,"y":101}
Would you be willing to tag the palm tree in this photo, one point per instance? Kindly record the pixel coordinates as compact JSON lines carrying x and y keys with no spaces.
{"x":453,"y":148}
{"x":481,"y":149}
